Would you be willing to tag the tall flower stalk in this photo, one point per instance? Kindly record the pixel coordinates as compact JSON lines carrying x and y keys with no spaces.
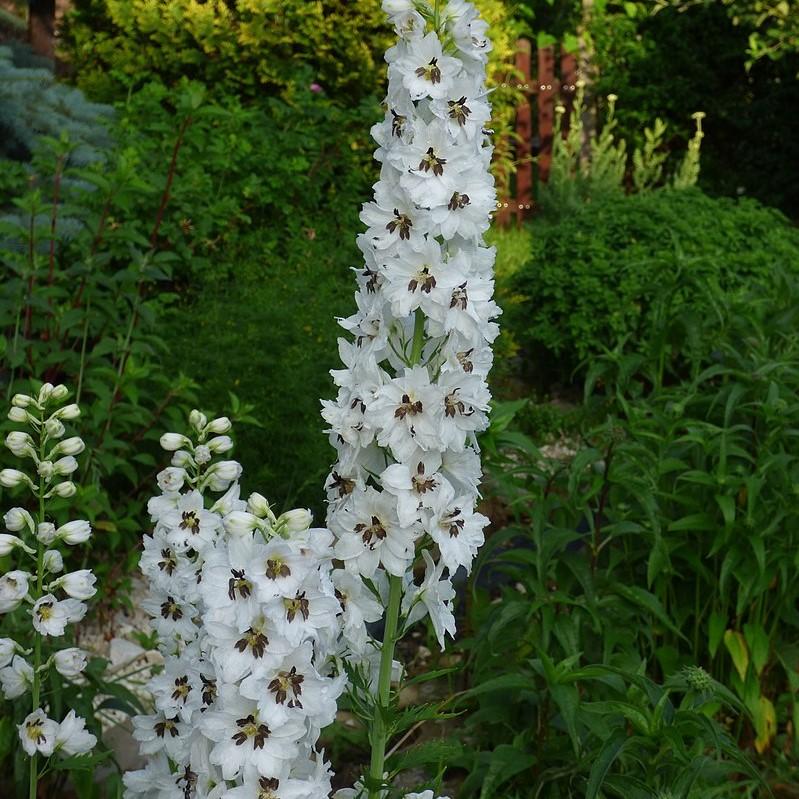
{"x":246,"y":617}
{"x":52,"y":600}
{"x":413,"y":392}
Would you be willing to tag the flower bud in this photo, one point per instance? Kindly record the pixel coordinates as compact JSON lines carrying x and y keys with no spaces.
{"x":220,"y":444}
{"x":220,"y":425}
{"x":294,"y":521}
{"x":226,"y":470}
{"x":198,"y":420}
{"x":67,"y":413}
{"x":182,"y":459}
{"x":45,"y":392}
{"x":259,"y":505}
{"x":64,"y":466}
{"x":171,"y":478}
{"x":8,"y":543}
{"x":20,"y":444}
{"x":21,"y":400}
{"x":8,"y":646}
{"x":59,"y":393}
{"x":13,"y":589}
{"x":172,"y":441}
{"x":202,"y":454}
{"x":77,"y":532}
{"x":18,"y":415}
{"x":45,"y":469}
{"x":54,"y":428}
{"x":53,"y":561}
{"x":240,"y":523}
{"x":45,"y":532}
{"x":69,"y":446}
{"x":64,"y":490}
{"x":17,"y":519}
{"x":70,"y":662}
{"x":17,"y":678}
{"x":9,"y":478}
{"x":78,"y":584}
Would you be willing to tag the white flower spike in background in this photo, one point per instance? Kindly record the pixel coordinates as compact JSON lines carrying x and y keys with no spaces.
{"x":51,"y":603}
{"x":413,"y":393}
{"x":246,"y":616}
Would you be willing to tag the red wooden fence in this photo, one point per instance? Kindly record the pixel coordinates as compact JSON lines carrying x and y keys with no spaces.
{"x":535,"y":134}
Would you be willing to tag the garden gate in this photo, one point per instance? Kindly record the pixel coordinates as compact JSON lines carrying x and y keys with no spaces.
{"x":547,"y":87}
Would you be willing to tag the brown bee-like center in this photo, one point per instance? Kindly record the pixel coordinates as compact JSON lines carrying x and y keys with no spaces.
{"x":460,"y":299}
{"x":182,"y":689}
{"x":430,"y":71}
{"x":458,"y":200}
{"x":238,"y":584}
{"x":408,"y":407}
{"x":401,"y":222}
{"x":249,"y":728}
{"x":168,"y":562}
{"x":255,"y":641}
{"x":371,"y":533}
{"x":458,"y":110}
{"x":431,"y":162}
{"x":171,"y":610}
{"x":422,"y":279}
{"x":190,"y":522}
{"x":288,"y":685}
{"x":166,"y":726}
{"x":297,"y":605}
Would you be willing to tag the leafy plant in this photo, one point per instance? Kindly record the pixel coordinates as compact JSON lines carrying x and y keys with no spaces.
{"x":602,"y":275}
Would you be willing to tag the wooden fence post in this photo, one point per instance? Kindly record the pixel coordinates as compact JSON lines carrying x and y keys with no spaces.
{"x":524,"y":133}
{"x":546,"y":108}
{"x":41,"y":27}
{"x":568,"y":85}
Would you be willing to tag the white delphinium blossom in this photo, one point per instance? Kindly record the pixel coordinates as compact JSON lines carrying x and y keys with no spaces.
{"x":49,"y":605}
{"x":413,"y":396}
{"x":245,"y":612}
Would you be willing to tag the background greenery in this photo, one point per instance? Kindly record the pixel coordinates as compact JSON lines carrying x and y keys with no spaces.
{"x":177,"y":226}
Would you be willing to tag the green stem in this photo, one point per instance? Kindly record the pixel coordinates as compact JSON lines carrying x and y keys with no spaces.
{"x":37,"y":645}
{"x":418,"y":337}
{"x":379,"y":729}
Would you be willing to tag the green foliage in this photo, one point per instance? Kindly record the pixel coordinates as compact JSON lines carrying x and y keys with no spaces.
{"x":84,"y":284}
{"x":672,"y":63}
{"x":592,"y":167}
{"x":604,"y":273}
{"x":665,"y":543}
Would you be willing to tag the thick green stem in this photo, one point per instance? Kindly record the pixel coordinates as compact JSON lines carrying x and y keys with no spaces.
{"x":379,"y":729}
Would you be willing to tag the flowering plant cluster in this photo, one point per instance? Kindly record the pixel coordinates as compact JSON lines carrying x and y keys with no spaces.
{"x":246,"y":615}
{"x":413,"y":393}
{"x":51,"y":598}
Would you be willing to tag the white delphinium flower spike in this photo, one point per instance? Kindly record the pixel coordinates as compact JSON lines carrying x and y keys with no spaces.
{"x":246,"y":613}
{"x":50,"y":603}
{"x":413,"y":395}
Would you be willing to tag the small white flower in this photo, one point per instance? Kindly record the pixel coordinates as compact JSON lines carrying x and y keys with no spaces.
{"x":8,"y":646}
{"x":171,"y":479}
{"x":70,"y":662}
{"x":20,"y":444}
{"x":293,"y":521}
{"x":50,"y":617}
{"x":72,"y":737}
{"x":13,"y":589}
{"x":434,"y":597}
{"x":65,"y":490}
{"x":69,"y":412}
{"x":78,"y":584}
{"x":38,"y":734}
{"x":8,"y":543}
{"x":17,"y":678}
{"x":220,"y":425}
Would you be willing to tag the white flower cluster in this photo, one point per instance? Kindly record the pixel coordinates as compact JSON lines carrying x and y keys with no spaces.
{"x":52,"y":599}
{"x":246,"y":614}
{"x":413,"y":393}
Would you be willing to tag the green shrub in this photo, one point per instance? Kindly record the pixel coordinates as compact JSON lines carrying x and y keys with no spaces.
{"x":666,"y":543}
{"x":594,"y":276}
